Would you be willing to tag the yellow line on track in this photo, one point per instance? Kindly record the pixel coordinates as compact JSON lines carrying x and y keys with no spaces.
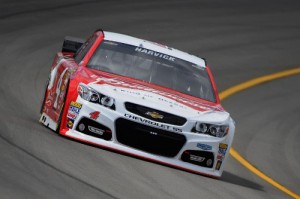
{"x":248,"y":84}
{"x":243,"y":86}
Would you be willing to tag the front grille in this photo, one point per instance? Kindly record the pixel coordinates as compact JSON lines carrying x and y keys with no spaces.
{"x":161,"y":116}
{"x":149,"y":139}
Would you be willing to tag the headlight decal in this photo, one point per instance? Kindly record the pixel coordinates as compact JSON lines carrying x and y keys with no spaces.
{"x":211,"y":129}
{"x":89,"y":94}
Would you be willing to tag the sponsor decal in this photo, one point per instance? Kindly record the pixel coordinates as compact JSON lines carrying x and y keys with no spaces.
{"x":222,"y":149}
{"x":152,"y":123}
{"x":70,"y":123}
{"x":75,"y":108}
{"x":204,"y":147}
{"x":220,"y":157}
{"x":72,"y":115}
{"x":73,"y":111}
{"x":197,"y":158}
{"x":223,"y":146}
{"x":94,"y":115}
{"x":146,"y":95}
{"x":154,"y":53}
{"x":218,"y":165}
{"x":155,"y":115}
{"x":131,"y":92}
{"x":95,"y":130}
{"x":222,"y":152}
{"x":187,"y":102}
{"x":76,"y":104}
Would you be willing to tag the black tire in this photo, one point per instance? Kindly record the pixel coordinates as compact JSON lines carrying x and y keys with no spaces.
{"x":60,"y":117}
{"x":62,"y":109}
{"x":43,"y":102}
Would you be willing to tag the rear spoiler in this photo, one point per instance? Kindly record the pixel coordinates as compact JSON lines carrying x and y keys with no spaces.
{"x":72,"y":44}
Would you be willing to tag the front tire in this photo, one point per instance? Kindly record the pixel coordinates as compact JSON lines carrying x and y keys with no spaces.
{"x":44,"y":100}
{"x":60,"y":117}
{"x":62,"y":109}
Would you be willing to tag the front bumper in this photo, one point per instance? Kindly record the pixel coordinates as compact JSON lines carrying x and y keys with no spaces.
{"x":188,"y":151}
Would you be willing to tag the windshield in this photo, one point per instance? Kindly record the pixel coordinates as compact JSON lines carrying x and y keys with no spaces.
{"x":153,"y":67}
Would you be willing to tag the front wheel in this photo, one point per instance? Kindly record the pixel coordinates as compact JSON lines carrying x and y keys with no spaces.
{"x":60,"y":116}
{"x":62,"y":109}
{"x":44,"y":100}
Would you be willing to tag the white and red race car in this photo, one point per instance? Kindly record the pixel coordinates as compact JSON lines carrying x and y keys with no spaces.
{"x":140,"y":98}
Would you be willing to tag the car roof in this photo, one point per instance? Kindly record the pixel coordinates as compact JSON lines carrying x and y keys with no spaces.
{"x":153,"y":46}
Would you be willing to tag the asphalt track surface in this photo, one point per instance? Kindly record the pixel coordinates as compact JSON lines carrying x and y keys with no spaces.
{"x":240,"y":39}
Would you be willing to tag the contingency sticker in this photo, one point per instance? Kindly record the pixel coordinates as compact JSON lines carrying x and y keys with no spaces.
{"x":222,"y":149}
{"x":73,"y":111}
{"x":75,"y":107}
{"x":218,"y":166}
{"x":204,"y":147}
{"x":76,"y":104}
{"x":222,"y":152}
{"x":70,"y":123}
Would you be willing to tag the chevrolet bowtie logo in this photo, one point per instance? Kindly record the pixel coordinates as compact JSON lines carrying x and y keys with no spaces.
{"x":155,"y":115}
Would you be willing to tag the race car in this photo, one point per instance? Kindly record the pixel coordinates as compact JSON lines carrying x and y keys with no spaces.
{"x":139,"y":98}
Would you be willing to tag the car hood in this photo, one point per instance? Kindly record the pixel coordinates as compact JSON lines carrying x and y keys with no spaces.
{"x":124,"y":89}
